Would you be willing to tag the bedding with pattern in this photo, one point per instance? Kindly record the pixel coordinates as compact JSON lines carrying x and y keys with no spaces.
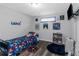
{"x":14,"y":46}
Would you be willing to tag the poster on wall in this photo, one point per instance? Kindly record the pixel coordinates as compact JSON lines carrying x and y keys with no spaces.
{"x":37,"y":26}
{"x":45,"y":26}
{"x":62,"y":17}
{"x":56,"y":26}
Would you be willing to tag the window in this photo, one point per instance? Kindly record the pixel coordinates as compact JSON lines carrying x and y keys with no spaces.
{"x":48,"y":19}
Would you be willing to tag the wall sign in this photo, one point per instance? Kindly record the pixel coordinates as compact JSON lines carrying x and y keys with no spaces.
{"x":15,"y":23}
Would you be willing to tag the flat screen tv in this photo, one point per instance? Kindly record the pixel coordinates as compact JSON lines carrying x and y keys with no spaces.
{"x":70,"y":12}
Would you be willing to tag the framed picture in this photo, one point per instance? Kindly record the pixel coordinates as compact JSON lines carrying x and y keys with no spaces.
{"x":45,"y":26}
{"x":62,"y":17}
{"x":56,"y":26}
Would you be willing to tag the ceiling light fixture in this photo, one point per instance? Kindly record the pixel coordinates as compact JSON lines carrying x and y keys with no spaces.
{"x":35,"y":4}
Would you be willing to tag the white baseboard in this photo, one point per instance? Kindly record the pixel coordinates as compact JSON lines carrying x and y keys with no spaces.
{"x":46,"y":40}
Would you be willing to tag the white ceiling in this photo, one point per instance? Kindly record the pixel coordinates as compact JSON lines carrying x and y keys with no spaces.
{"x":43,"y":9}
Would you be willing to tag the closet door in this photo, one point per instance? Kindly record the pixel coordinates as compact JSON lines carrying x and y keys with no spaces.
{"x":46,"y":32}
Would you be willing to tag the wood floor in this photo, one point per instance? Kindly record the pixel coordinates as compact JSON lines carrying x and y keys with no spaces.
{"x":41,"y":51}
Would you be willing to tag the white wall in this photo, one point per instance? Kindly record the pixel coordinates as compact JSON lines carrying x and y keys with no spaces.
{"x":77,"y":37}
{"x":47,"y":35}
{"x":8,"y":31}
{"x":75,"y":28}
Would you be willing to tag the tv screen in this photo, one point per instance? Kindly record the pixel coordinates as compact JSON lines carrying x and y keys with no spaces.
{"x":70,"y":12}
